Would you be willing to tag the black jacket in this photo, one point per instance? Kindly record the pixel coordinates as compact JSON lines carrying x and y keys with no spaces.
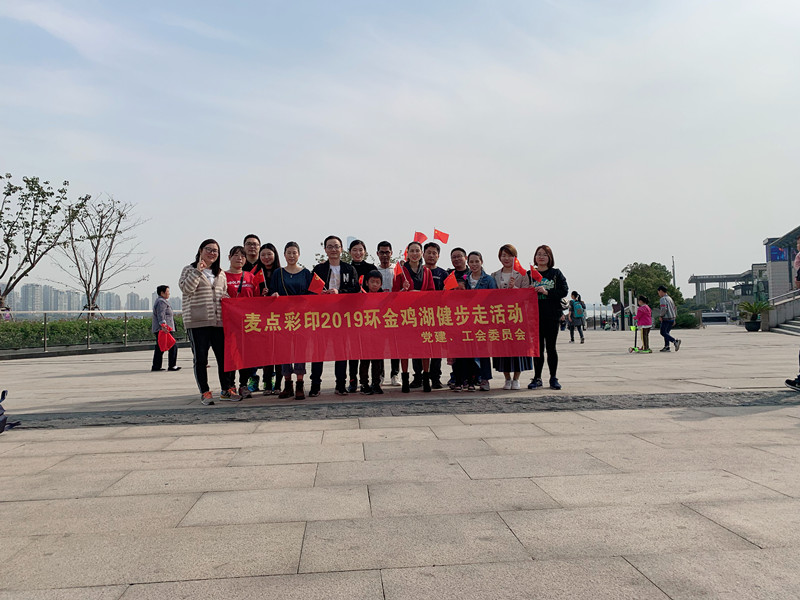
{"x":349,"y":277}
{"x":555,"y":283}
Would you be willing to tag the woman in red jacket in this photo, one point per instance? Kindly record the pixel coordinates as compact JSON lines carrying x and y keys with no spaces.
{"x":414,"y":276}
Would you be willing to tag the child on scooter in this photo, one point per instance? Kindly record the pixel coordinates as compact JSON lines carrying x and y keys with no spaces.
{"x":644,"y":320}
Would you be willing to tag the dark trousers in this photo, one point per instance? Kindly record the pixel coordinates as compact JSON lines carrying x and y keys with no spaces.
{"x":244,"y":375}
{"x":465,"y":371}
{"x":377,"y":368}
{"x":548,"y":334}
{"x":354,"y":371}
{"x":435,"y":369}
{"x":646,"y":338}
{"x":340,"y":371}
{"x":201,"y":339}
{"x":666,"y":327}
{"x":572,"y":329}
{"x":158,"y":356}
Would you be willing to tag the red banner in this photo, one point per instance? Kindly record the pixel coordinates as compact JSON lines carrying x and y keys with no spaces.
{"x":453,"y":324}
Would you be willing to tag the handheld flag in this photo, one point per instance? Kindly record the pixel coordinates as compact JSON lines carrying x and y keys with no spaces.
{"x":399,"y":270}
{"x":518,"y":267}
{"x":450,"y":282}
{"x":535,"y":275}
{"x":441,"y":236}
{"x":317,"y":285}
{"x":361,"y":284}
{"x":420,"y":237}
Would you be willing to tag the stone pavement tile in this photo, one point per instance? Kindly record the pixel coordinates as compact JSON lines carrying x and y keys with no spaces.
{"x":6,"y":446}
{"x":407,"y":542}
{"x":20,"y":434}
{"x":672,"y":413}
{"x":782,"y":479}
{"x":114,"y":592}
{"x":89,"y":447}
{"x":740,"y":411}
{"x":767,"y":523}
{"x":353,"y":585}
{"x":617,"y":530}
{"x":140,"y":461}
{"x":566,"y":443}
{"x":9,"y":546}
{"x":651,"y":488}
{"x":213,"y":479}
{"x":426,"y":449}
{"x":28,"y":465}
{"x":653,"y":458}
{"x":538,"y":464}
{"x":308,"y":425}
{"x":739,"y":383}
{"x":284,"y":455}
{"x":396,"y":434}
{"x":488,"y":430}
{"x":176,"y":431}
{"x":279,"y":505}
{"x":772,"y":574}
{"x":791,"y":451}
{"x":389,"y":471}
{"x":539,"y":416}
{"x":95,"y":515}
{"x":245,"y":440}
{"x":714,"y":437}
{"x":453,"y":497}
{"x":751,"y":421}
{"x":408,"y":421}
{"x":585,"y":579}
{"x":49,"y":485}
{"x":168,"y":555}
{"x":608,"y":427}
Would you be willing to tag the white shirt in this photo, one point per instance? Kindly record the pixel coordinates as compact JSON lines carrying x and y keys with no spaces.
{"x":209,"y":275}
{"x":388,"y":278}
{"x":335,"y":279}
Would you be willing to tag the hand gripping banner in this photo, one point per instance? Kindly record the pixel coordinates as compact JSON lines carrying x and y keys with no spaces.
{"x":452,"y":324}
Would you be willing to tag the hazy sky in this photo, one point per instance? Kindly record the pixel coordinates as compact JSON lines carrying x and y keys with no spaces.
{"x":614,"y":131}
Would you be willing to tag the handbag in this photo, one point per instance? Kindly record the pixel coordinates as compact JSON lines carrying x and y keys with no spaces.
{"x":165,"y":340}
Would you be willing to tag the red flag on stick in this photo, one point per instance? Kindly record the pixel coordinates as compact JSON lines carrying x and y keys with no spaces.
{"x":450,"y":282}
{"x":518,"y":267}
{"x":535,"y":275}
{"x":317,"y":285}
{"x":361,"y":283}
{"x":420,"y":237}
{"x":441,"y":236}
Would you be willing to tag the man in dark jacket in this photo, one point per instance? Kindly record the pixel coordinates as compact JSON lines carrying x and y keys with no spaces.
{"x":339,"y":278}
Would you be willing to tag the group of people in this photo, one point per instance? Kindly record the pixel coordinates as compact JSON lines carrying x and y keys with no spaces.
{"x":256,"y":269}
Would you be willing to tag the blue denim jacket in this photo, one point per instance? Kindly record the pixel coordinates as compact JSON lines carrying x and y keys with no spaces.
{"x":486,"y":282}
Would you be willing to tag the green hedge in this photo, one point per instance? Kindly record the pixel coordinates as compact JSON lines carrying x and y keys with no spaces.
{"x":72,"y":332}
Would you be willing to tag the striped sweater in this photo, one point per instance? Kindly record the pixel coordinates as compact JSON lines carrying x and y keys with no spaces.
{"x":201,"y":301}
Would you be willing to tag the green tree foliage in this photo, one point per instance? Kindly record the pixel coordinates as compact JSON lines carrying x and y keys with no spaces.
{"x":33,"y":220}
{"x":641,"y":278}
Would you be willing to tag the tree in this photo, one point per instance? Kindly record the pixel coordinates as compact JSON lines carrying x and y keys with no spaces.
{"x":98,"y":249}
{"x":33,"y":219}
{"x":641,"y":278}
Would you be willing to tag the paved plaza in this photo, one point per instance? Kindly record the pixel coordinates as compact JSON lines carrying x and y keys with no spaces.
{"x":582,"y":493}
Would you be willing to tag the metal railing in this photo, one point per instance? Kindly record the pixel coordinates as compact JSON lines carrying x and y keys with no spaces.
{"x":785,"y":297}
{"x":47,"y":329}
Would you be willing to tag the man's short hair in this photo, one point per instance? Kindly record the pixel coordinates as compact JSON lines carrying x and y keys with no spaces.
{"x":457,"y":249}
{"x":332,"y":237}
{"x":662,"y":288}
{"x":433,"y":245}
{"x":385,"y":243}
{"x":250,"y":235}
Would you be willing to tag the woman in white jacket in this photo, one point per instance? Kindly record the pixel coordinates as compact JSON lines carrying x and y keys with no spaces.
{"x":203,"y":284}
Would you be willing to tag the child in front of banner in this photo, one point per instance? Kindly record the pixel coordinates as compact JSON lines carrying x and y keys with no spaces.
{"x":374,"y":283}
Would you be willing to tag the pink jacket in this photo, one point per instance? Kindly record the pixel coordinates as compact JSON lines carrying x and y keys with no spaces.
{"x":644,"y":317}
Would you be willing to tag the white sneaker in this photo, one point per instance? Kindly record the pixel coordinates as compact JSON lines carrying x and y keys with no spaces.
{"x":394,"y":380}
{"x":484,"y":385}
{"x":515,"y":384}
{"x":507,"y":384}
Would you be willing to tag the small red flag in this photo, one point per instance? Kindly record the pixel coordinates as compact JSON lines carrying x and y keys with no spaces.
{"x":535,"y":275}
{"x":450,"y":282}
{"x":317,"y":285}
{"x":420,"y":237}
{"x":361,"y":284}
{"x":518,"y":267}
{"x":398,"y":269}
{"x":441,"y":236}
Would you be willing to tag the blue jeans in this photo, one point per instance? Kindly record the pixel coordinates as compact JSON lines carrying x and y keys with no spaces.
{"x":666,"y":327}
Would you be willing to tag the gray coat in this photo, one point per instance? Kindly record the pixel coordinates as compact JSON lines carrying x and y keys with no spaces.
{"x":162,"y":313}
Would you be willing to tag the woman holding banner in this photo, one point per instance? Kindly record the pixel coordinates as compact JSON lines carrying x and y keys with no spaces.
{"x":409,"y":277}
{"x":291,"y":280}
{"x":509,"y":278}
{"x":203,"y":284}
{"x":479,"y":280}
{"x":268,"y":262}
{"x":551,"y":285}
{"x":358,"y":252}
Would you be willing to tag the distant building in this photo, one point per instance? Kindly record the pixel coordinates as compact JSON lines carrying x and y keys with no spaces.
{"x":31,"y":297}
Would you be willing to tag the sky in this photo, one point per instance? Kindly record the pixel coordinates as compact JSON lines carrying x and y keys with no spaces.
{"x":617,"y":131}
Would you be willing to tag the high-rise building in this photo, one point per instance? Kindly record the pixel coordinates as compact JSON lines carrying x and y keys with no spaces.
{"x":31,"y":297}
{"x":132,"y":301}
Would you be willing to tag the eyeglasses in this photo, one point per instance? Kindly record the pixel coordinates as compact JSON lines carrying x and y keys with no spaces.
{"x":337,"y":247}
{"x":211,"y":250}
{"x":252,"y":244}
{"x":389,"y":252}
